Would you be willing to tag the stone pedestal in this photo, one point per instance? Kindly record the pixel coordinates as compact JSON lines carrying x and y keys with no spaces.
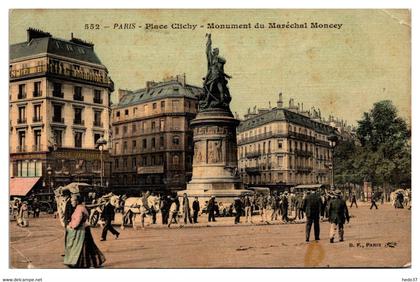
{"x":215,"y":163}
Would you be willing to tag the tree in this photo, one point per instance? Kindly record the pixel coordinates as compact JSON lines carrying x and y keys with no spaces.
{"x":385,"y":155}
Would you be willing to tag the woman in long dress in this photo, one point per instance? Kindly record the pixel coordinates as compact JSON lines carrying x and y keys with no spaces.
{"x":81,"y":251}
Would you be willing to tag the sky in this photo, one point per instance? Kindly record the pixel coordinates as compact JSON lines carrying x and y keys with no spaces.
{"x":342,"y":72}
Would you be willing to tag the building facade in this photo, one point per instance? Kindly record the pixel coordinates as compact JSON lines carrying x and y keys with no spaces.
{"x":283,"y":147}
{"x":59,"y":107}
{"x":151,"y":138}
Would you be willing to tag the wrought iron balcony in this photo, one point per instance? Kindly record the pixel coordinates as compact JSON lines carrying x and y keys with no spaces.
{"x":78,"y":97}
{"x":36,"y":93}
{"x":251,"y":155}
{"x":22,"y":95}
{"x":58,"y":94}
{"x":21,"y":120}
{"x":97,"y":100}
{"x":36,"y":119}
{"x":252,"y":170}
{"x":58,"y":119}
{"x":78,"y":121}
{"x":98,"y":123}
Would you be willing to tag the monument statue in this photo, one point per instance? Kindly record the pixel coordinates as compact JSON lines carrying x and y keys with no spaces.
{"x":216,"y":93}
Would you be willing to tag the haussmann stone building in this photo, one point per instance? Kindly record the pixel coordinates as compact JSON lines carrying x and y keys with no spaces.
{"x":281,"y":147}
{"x":151,"y":137}
{"x":59,"y":107}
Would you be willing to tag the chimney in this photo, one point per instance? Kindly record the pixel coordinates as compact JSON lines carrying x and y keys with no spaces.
{"x":181,"y":79}
{"x":122,"y":92}
{"x":36,"y":33}
{"x":150,"y":84}
{"x":280,"y":101}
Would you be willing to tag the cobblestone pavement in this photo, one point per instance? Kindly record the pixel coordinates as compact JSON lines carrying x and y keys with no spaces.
{"x":374,"y":238}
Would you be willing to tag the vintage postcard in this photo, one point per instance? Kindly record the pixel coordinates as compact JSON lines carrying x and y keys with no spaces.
{"x":272,"y":138}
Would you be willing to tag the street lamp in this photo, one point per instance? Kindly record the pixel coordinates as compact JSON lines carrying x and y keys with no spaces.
{"x":101,"y":142}
{"x":49,"y":173}
{"x":333,"y":142}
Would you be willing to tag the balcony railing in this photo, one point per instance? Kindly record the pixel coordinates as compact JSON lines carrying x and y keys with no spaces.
{"x":22,"y":95}
{"x":98,"y":124}
{"x":21,"y":148}
{"x":36,"y":148}
{"x":256,"y":138}
{"x":36,"y":93}
{"x":58,"y":70}
{"x":97,"y":100}
{"x":37,"y":119}
{"x":303,"y":153}
{"x":78,"y":97}
{"x":253,"y":155}
{"x":252,"y":170}
{"x":79,"y":122}
{"x":21,"y":120}
{"x":58,"y":119}
{"x":58,"y":94}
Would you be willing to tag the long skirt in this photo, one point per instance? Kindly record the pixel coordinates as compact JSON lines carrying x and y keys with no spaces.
{"x":81,"y":251}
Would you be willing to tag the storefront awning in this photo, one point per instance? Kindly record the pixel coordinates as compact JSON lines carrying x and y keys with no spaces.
{"x":20,"y":186}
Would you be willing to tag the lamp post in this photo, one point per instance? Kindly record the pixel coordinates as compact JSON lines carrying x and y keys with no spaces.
{"x":101,"y":142}
{"x":49,"y":173}
{"x":333,"y":142}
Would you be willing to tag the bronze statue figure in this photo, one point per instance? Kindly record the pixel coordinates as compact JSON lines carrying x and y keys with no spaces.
{"x":216,"y":93}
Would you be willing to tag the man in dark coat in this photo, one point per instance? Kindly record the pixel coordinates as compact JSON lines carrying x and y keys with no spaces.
{"x":312,"y":207}
{"x":211,"y":206}
{"x":373,"y":202}
{"x":186,"y":209}
{"x":285,"y":207}
{"x":108,"y":215}
{"x":338,"y":215}
{"x":238,"y":209}
{"x":353,"y":200}
{"x":196,"y":209}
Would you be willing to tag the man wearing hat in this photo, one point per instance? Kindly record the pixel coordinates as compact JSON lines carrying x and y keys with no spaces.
{"x":238,"y":209}
{"x":338,"y":214}
{"x":211,"y":206}
{"x":312,"y":206}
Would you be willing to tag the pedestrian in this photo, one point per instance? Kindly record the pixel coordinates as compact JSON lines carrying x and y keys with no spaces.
{"x":108,"y":215}
{"x":165,"y":204}
{"x":238,"y":209}
{"x":81,"y":251}
{"x":186,"y":209}
{"x":338,"y":215}
{"x":36,"y":207}
{"x":173,"y":211}
{"x":23,"y":215}
{"x":285,"y":207}
{"x":299,"y":206}
{"x":353,"y":200}
{"x":153,"y":204}
{"x":248,"y":208}
{"x":262,"y":206}
{"x":196,"y":209}
{"x":312,"y":206}
{"x":373,"y":203}
{"x":211,"y":209}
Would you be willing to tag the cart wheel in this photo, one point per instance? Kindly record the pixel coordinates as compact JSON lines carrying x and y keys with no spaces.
{"x":94,"y":219}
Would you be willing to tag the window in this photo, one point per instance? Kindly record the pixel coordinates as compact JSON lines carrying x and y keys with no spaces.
{"x":280,"y":144}
{"x":78,"y":116}
{"x":118,"y":114}
{"x":125,"y":162}
{"x":37,"y":113}
{"x":143,"y":161}
{"x":154,"y":105}
{"x":175,"y":140}
{"x":117,"y":130}
{"x":153,"y":125}
{"x":124,"y":129}
{"x":134,"y":111}
{"x":117,"y":148}
{"x":37,"y":89}
{"x":22,"y":91}
{"x":134,"y":127}
{"x":78,"y":139}
{"x":175,"y":160}
{"x":37,"y":140}
{"x":78,"y":93}
{"x":96,"y":137}
{"x":133,"y":162}
{"x":144,"y":143}
{"x":153,"y":143}
{"x":97,"y":96}
{"x":22,"y":141}
{"x":126,"y":112}
{"x":176,"y":124}
{"x":125,"y":147}
{"x":57,"y":114}
{"x":58,"y":138}
{"x":134,"y":145}
{"x":22,"y":115}
{"x":153,"y":160}
{"x":57,"y":90}
{"x":162,"y":124}
{"x":97,"y":119}
{"x":162,"y":105}
{"x":175,"y":105}
{"x":116,"y":163}
{"x":161,"y":141}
